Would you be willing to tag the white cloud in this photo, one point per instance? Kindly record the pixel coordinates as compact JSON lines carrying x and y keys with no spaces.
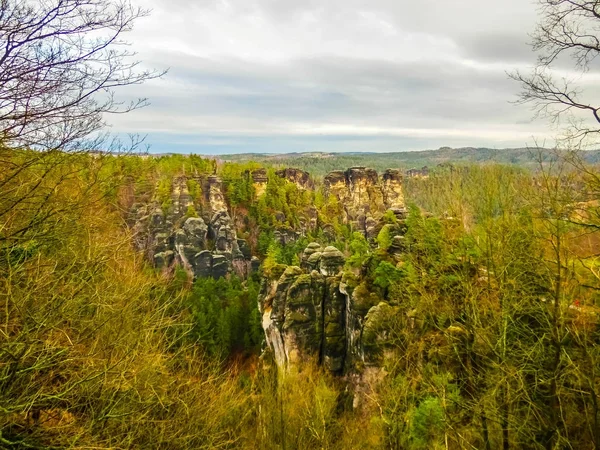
{"x":431,"y":70}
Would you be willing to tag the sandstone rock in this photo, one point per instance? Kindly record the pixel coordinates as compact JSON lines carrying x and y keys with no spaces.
{"x":393,"y":195}
{"x":375,"y":331}
{"x":328,"y":232}
{"x":299,"y":177}
{"x":168,"y":236}
{"x":157,"y":218}
{"x":371,"y":228}
{"x":203,"y":264}
{"x":398,"y":246}
{"x":313,"y":261}
{"x":285,"y":236}
{"x":303,"y":313}
{"x":244,"y":249}
{"x":216,"y":200}
{"x":363,"y":196}
{"x":259,"y":181}
{"x":163,"y":259}
{"x":196,"y":230}
{"x":307,"y":311}
{"x":331,"y":262}
{"x":220,"y":266}
{"x":222,"y":232}
{"x":312,"y":248}
{"x":180,"y":198}
{"x":312,"y":219}
{"x":160,"y":243}
{"x":334,"y":319}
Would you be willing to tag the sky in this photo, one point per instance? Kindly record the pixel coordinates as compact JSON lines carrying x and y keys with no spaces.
{"x":332,"y":75}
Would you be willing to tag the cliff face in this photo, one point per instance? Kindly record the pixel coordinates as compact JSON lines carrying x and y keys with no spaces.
{"x":364,"y":195}
{"x":205,"y":246}
{"x":304,"y":310}
{"x":299,"y":177}
{"x":315,"y":312}
{"x":393,"y":195}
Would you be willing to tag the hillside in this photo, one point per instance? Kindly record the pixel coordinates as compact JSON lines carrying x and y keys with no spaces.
{"x":319,"y":164}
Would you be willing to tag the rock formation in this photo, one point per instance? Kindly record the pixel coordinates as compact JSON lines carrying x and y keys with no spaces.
{"x":200,"y":235}
{"x":299,"y":177}
{"x":304,"y":310}
{"x":364,"y":196}
{"x":259,"y":181}
{"x":393,"y":194}
{"x":313,"y":310}
{"x":316,"y":311}
{"x":205,"y":246}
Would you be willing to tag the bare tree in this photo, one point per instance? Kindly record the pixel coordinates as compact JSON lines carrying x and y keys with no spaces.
{"x":60,"y":61}
{"x":567,"y":29}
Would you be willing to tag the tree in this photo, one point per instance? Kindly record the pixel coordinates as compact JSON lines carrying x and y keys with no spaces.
{"x":60,"y":62}
{"x":567,"y":28}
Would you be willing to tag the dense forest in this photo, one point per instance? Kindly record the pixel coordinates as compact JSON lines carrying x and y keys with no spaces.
{"x":486,"y":333}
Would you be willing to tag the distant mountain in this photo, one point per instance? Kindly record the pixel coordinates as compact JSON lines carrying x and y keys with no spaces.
{"x":319,"y":163}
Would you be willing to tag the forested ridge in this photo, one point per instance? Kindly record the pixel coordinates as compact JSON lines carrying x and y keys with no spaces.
{"x":485,"y":292}
{"x":320,"y":163}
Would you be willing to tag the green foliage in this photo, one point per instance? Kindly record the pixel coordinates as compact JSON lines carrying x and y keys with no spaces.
{"x":384,"y":237}
{"x":389,"y":217}
{"x":485,"y":324}
{"x":191,"y":211}
{"x":226,"y":317}
{"x":386,"y":274}
{"x":163,"y":193}
{"x":427,"y":425}
{"x":195,"y":190}
{"x":359,"y":250}
{"x":319,"y":164}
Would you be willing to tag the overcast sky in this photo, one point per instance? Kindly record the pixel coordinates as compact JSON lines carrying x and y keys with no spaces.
{"x":333,"y":75}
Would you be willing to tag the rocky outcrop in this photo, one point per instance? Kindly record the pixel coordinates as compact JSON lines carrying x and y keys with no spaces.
{"x":259,"y":181}
{"x":206,"y":246}
{"x":286,"y":236}
{"x":304,"y":310}
{"x":215,"y":197}
{"x":197,"y":231}
{"x":423,"y":172}
{"x":364,"y":196}
{"x":393,"y":195}
{"x":316,"y":311}
{"x":299,"y":177}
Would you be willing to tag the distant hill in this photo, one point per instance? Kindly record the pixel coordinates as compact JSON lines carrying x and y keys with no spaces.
{"x":319,"y":163}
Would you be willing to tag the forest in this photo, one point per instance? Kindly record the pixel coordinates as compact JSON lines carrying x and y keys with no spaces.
{"x":319,"y":164}
{"x":489,"y":337}
{"x":304,"y":301}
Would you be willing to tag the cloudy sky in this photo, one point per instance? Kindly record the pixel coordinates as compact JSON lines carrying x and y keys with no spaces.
{"x":332,"y":75}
